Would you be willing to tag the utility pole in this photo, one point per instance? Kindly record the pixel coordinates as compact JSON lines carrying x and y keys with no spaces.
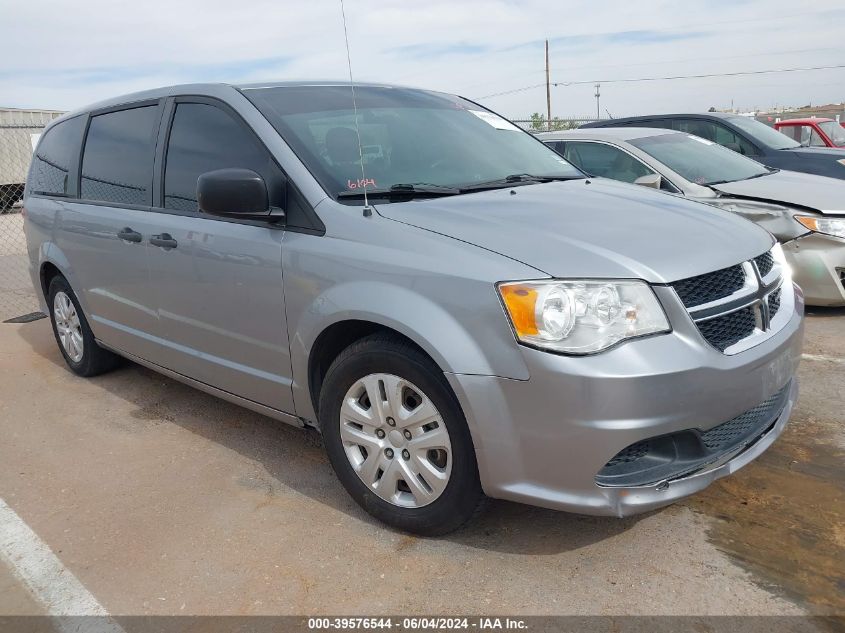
{"x":598,"y":98}
{"x":548,"y":92}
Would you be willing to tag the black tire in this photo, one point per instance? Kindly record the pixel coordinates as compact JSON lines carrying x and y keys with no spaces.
{"x":383,"y":353}
{"x":95,"y":360}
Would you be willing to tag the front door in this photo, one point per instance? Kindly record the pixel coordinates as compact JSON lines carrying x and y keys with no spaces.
{"x":219,"y":282}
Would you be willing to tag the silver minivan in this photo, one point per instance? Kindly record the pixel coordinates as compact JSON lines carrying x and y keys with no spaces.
{"x":457,"y":309}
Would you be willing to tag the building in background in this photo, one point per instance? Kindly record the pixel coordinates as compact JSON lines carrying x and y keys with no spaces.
{"x":19,"y":133}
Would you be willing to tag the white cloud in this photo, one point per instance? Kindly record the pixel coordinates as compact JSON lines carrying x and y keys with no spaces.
{"x":63,"y":54}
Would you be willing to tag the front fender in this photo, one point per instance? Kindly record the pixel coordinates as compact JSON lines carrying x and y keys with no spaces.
{"x":459,"y":341}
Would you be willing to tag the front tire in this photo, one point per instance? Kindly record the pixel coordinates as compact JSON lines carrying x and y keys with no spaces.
{"x":73,"y":334}
{"x":397,"y":438}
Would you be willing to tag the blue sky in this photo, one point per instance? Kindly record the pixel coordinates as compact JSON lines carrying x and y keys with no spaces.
{"x":63,"y":55}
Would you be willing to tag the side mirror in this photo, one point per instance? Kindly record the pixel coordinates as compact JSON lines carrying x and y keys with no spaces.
{"x":235,"y":193}
{"x":651,"y":180}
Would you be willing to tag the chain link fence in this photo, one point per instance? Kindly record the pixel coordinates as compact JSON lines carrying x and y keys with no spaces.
{"x":19,"y":132}
{"x":538,"y":124}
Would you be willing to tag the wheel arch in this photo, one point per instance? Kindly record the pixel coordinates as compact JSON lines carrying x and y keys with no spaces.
{"x":344,"y":314}
{"x":336,"y":338}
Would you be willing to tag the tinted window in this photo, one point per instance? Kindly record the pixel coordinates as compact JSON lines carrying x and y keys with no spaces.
{"x":598,"y":159}
{"x":762,"y":133}
{"x":407,"y":136}
{"x":205,"y":138}
{"x":117,"y":165}
{"x":50,"y":171}
{"x":557,"y":146}
{"x":666,"y":124}
{"x":697,"y":127}
{"x":717,"y":133}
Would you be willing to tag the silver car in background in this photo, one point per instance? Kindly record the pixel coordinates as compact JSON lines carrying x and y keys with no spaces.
{"x":456,"y":308}
{"x":806,"y":213}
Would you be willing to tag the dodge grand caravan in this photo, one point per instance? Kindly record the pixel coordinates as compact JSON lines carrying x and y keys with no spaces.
{"x":457,"y":309}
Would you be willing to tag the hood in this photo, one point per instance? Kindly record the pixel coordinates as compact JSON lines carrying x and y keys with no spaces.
{"x":592,"y":228}
{"x":818,"y":152}
{"x":820,"y":193}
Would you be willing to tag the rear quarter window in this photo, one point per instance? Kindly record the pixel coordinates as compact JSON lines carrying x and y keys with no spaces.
{"x":55,"y":156}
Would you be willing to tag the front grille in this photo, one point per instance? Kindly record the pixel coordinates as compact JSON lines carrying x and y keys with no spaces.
{"x":630,"y":454}
{"x":725,"y":436}
{"x":774,"y":302}
{"x":765,"y":263}
{"x":702,"y":289}
{"x":736,"y":303}
{"x":678,"y":454}
{"x":725,"y":330}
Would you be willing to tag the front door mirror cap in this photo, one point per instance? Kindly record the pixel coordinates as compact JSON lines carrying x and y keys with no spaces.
{"x":650,"y":180}
{"x":236,"y":193}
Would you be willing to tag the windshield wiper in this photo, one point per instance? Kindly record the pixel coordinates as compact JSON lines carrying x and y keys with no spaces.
{"x":514,"y":179}
{"x":401,"y":190}
{"x":771,"y":170}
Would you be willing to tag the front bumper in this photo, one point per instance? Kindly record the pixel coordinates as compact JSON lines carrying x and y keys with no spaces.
{"x":543,"y":440}
{"x":818,"y":266}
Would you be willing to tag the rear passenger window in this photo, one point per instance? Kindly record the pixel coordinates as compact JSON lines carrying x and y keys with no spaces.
{"x":117,"y":165}
{"x":702,"y":129}
{"x":204,"y":138}
{"x":50,"y":171}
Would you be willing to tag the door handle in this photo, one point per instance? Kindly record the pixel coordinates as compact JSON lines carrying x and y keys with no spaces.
{"x":128,"y":235}
{"x":165,"y":241}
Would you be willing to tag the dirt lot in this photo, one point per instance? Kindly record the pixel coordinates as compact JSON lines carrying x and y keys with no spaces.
{"x":162,"y":500}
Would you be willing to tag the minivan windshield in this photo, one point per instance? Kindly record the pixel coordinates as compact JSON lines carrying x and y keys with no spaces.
{"x":699,"y":160}
{"x":410,"y":140}
{"x":764,"y":134}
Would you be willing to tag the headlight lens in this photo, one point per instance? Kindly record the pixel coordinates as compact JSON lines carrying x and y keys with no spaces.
{"x":828,"y":226}
{"x":785,"y":267}
{"x":581,"y":316}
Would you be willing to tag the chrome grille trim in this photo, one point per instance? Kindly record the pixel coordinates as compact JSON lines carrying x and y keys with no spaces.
{"x":770,"y":300}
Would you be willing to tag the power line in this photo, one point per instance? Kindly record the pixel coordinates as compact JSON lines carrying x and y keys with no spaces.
{"x":669,"y":78}
{"x":525,"y":73}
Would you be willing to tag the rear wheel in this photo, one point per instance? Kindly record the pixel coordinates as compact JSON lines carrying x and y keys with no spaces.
{"x":397,"y":438}
{"x":73,"y":334}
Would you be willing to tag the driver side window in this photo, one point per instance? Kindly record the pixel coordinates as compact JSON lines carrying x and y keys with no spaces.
{"x":728,"y":138}
{"x":204,"y":138}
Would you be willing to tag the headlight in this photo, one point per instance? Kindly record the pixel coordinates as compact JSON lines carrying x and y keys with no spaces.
{"x":785,"y":267}
{"x":828,"y":226}
{"x":581,"y":316}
